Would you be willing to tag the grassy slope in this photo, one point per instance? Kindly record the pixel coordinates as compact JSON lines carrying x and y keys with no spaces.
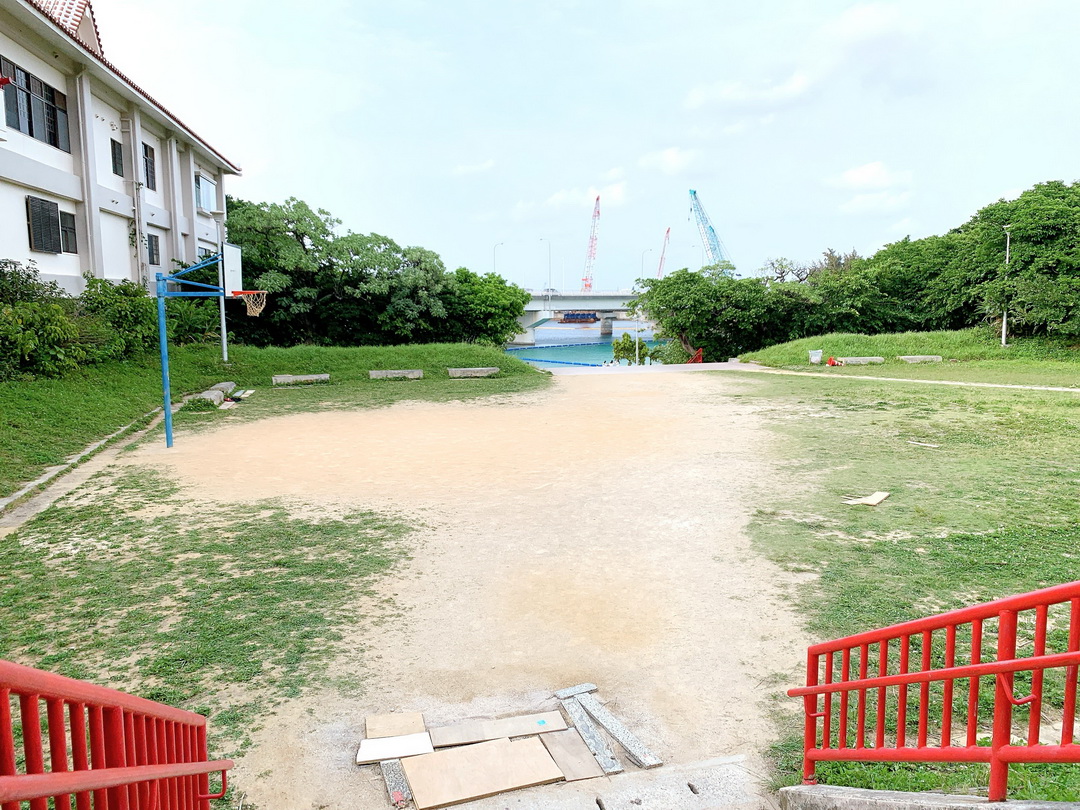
{"x":42,"y":422}
{"x":989,"y":513}
{"x":978,"y":355}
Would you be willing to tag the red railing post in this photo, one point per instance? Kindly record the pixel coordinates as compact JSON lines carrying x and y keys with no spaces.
{"x":1002,"y":734}
{"x":810,"y":727}
{"x":934,"y":741}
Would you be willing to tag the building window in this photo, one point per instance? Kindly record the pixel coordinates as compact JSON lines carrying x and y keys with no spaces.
{"x":33,"y":107}
{"x":67,"y":233}
{"x":153,"y":249}
{"x":117,"y":158}
{"x":205,"y":193}
{"x":43,"y":223}
{"x":149,"y":166}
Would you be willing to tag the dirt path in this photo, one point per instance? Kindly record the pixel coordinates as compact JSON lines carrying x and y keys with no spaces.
{"x":590,"y":532}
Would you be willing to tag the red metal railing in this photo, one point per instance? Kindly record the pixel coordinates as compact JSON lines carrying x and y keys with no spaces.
{"x":891,"y":695}
{"x":105,"y":748}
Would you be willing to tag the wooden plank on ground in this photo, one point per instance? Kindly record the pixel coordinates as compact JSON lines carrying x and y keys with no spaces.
{"x":639,"y":754}
{"x":469,"y":772}
{"x":395,"y":725}
{"x":474,"y":731}
{"x":382,"y":748}
{"x":869,"y":500}
{"x":573,"y":757}
{"x":397,"y":786}
{"x":591,"y":735}
{"x":570,"y":691}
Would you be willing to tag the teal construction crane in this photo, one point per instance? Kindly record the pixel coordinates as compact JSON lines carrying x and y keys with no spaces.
{"x":714,"y":248}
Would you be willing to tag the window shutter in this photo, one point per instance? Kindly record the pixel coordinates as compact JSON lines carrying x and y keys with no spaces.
{"x":43,"y":220}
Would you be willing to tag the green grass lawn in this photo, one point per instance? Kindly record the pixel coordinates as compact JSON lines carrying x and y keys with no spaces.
{"x":219,"y":608}
{"x":970,"y":355}
{"x":990,"y":512}
{"x":43,"y":422}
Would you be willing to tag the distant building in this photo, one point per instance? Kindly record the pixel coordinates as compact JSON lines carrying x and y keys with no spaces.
{"x":107,"y":180}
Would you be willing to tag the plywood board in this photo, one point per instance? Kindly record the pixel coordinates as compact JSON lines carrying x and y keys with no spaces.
{"x":591,"y":734}
{"x":468,"y":772}
{"x":474,"y":731}
{"x":382,"y":748}
{"x":572,"y":756}
{"x":395,"y":725}
{"x":635,"y":748}
{"x":869,"y":500}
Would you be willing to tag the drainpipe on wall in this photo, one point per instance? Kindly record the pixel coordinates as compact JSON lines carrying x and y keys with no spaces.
{"x":131,"y":137}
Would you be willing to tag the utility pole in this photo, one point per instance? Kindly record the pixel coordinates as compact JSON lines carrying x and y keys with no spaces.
{"x":493,"y":270}
{"x":1005,"y":311}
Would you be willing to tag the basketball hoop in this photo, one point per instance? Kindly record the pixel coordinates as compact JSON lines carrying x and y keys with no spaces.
{"x":254,"y":300}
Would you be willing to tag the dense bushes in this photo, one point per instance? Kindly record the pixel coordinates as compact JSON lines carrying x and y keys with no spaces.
{"x":953,"y":281}
{"x":356,"y":289}
{"x":44,"y":332}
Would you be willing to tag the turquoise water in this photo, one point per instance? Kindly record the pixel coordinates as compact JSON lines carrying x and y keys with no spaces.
{"x":575,"y":344}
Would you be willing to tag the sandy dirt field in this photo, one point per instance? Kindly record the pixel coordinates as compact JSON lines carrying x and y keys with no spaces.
{"x":594,"y":531}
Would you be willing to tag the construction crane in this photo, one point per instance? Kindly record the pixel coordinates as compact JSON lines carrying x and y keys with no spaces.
{"x":663,"y":252}
{"x":714,"y":248}
{"x":590,"y":254}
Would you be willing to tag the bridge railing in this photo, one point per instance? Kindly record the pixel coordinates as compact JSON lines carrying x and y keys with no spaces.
{"x":63,"y":739}
{"x":943,"y":689}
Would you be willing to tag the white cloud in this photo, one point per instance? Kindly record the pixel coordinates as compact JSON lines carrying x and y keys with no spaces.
{"x":670,"y":161}
{"x":879,"y":202}
{"x":738,"y":93}
{"x":864,"y":40}
{"x":474,"y":168}
{"x":906,"y":226}
{"x":871,"y":177}
{"x":614,"y":174}
{"x":612,"y":194}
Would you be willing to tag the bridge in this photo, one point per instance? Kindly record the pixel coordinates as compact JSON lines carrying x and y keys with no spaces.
{"x":547,"y":305}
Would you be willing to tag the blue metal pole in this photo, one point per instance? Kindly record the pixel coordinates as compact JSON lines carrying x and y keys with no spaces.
{"x":163,"y":342}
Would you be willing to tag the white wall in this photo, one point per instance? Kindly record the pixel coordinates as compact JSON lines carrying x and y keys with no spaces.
{"x":107,"y":128}
{"x":116,"y":247}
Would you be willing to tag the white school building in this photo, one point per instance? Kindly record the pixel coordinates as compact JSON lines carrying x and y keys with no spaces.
{"x":96,"y":176}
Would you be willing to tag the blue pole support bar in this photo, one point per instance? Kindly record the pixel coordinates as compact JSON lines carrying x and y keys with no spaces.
{"x":163,"y":292}
{"x":163,"y":343}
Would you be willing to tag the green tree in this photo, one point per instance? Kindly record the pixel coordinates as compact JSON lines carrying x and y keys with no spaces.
{"x":483,"y":309}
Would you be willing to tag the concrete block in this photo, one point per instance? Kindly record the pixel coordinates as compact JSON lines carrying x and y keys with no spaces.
{"x":830,"y":797}
{"x":860,"y":361}
{"x":571,"y":691}
{"x":300,"y":379}
{"x":224,"y":387}
{"x":485,"y":371}
{"x":399,"y":374}
{"x":920,"y":358}
{"x":217,"y":397}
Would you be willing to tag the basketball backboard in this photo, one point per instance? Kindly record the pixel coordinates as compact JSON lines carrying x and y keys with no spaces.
{"x":231,"y":269}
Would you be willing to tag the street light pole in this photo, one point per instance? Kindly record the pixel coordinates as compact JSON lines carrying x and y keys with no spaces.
{"x":646,"y":250}
{"x":1005,"y":311}
{"x":493,"y":270}
{"x":543,"y":239}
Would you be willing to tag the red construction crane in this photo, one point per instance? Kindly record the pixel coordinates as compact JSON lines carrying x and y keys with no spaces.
{"x":663,"y":252}
{"x":590,"y":254}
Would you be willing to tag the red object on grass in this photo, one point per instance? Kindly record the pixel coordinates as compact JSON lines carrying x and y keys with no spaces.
{"x":120,"y":750}
{"x":879,"y":665}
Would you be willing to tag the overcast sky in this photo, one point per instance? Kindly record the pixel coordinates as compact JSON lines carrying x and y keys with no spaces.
{"x":457,"y":125}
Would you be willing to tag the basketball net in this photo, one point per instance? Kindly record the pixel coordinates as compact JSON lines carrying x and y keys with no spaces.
{"x":254,"y":300}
